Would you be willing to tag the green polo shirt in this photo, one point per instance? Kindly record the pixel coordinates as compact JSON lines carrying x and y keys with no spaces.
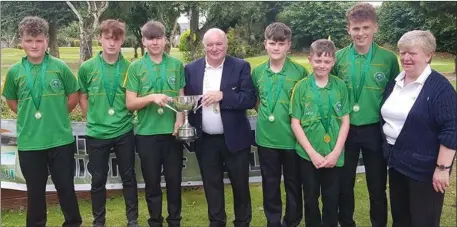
{"x":141,"y":80}
{"x":100,"y":124}
{"x":277,"y":134}
{"x":54,"y":127}
{"x":304,"y":107}
{"x":383,"y":68}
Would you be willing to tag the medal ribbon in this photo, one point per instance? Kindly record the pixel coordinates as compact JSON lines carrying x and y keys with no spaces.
{"x":36,"y":94}
{"x":110,"y":91}
{"x":162,"y":72}
{"x":325,"y":120}
{"x":358,"y":90}
{"x":272,"y":103}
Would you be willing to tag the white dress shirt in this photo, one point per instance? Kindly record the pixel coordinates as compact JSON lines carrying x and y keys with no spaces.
{"x":396,"y":108}
{"x":211,"y":116}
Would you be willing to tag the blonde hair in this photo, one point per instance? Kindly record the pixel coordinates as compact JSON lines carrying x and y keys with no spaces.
{"x":418,"y":38}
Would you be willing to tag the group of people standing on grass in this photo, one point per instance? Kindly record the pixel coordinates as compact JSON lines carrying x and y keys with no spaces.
{"x":311,"y":127}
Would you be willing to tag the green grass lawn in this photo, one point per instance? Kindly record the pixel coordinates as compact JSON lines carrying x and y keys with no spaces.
{"x":194,"y":208}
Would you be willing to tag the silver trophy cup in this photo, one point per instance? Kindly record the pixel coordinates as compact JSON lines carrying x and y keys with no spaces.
{"x":184,"y":104}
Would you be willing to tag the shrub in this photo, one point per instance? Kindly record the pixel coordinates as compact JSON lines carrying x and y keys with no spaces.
{"x":184,"y":41}
{"x":19,"y":46}
{"x":75,"y":43}
{"x":237,"y":47}
{"x":129,"y":41}
{"x":187,"y":55}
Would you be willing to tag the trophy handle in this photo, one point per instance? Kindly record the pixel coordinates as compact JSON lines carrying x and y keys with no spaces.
{"x":171,"y":108}
{"x":196,"y":107}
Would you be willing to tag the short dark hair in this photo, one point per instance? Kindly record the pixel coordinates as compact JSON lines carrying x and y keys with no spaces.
{"x":153,"y":29}
{"x":322,"y":46}
{"x":34,"y":26}
{"x":115,"y":27}
{"x":278,"y":32}
{"x":361,"y":12}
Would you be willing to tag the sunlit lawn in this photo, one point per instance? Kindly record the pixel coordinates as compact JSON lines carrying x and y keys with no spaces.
{"x":194,"y":208}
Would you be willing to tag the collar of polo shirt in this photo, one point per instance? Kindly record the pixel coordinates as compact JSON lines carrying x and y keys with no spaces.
{"x":420,"y":80}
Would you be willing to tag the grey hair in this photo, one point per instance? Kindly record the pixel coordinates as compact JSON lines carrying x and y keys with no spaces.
{"x":214,"y":30}
{"x":419,"y":38}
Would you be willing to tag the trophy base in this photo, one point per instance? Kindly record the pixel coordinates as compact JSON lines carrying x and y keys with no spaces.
{"x":187,"y":139}
{"x":187,"y":133}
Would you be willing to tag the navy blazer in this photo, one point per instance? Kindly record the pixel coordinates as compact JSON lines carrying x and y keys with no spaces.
{"x":239,"y":95}
{"x":430,"y":122}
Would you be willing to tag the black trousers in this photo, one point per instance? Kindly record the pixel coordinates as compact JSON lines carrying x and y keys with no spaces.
{"x":317,"y":182}
{"x":272,"y":163}
{"x":413,"y":203}
{"x":367,"y":139}
{"x":99,"y":151}
{"x":213,"y":156}
{"x":157,"y":151}
{"x":35,"y":167}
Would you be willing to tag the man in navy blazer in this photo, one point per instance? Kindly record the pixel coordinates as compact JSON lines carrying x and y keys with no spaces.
{"x":223,"y":129}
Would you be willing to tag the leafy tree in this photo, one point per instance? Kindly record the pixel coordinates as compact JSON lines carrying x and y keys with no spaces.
{"x":56,"y":13}
{"x":310,"y":21}
{"x":88,"y":13}
{"x":136,"y":14}
{"x":442,"y":18}
{"x":248,"y":19}
{"x":395,"y":19}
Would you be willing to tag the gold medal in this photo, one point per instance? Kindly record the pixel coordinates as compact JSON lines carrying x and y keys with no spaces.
{"x":111,"y":111}
{"x":160,"y":111}
{"x":356,"y":108}
{"x":38,"y":115}
{"x":215,"y":108}
{"x":327,"y":138}
{"x":271,"y":118}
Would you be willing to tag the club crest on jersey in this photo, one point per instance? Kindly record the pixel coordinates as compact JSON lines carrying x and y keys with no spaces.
{"x":338,"y":106}
{"x":55,"y":84}
{"x":379,"y":76}
{"x":172,"y":80}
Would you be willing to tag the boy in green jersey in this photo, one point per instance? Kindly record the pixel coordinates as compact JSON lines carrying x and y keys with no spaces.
{"x":109,"y":122}
{"x":366,"y":68}
{"x":151,"y":81}
{"x":320,"y":121}
{"x":42,"y":90}
{"x":274,"y":81}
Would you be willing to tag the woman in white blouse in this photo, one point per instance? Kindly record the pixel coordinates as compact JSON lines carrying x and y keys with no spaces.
{"x":419,"y":125}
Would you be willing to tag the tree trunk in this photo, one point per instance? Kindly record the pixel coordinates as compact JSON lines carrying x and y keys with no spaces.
{"x":173,"y":34}
{"x":135,"y":51}
{"x":142,"y":50}
{"x":85,"y":45}
{"x":53,"y":44}
{"x":194,"y":17}
{"x":88,"y":23}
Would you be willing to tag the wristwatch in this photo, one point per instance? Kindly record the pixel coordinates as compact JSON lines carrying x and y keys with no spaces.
{"x":442,"y":167}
